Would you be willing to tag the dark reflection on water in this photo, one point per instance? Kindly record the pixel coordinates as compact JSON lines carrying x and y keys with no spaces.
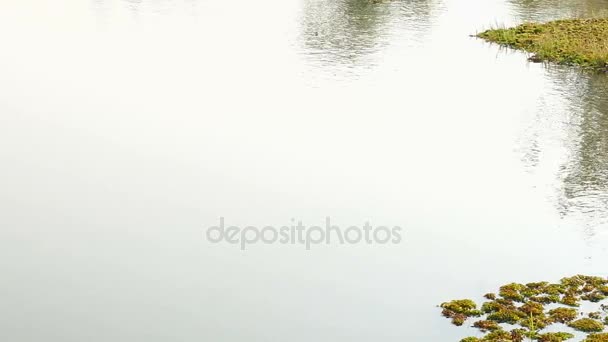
{"x":574,"y":115}
{"x":344,"y":32}
{"x":585,"y":175}
{"x":544,"y":10}
{"x":570,"y":136}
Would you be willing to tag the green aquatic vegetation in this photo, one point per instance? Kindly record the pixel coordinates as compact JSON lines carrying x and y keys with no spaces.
{"x":554,"y":337}
{"x":570,"y":300}
{"x":497,"y":304}
{"x":462,"y":306}
{"x":457,"y":318}
{"x":460,"y":310}
{"x":534,"y":322}
{"x":597,"y":338}
{"x":495,"y":336}
{"x":524,"y":305}
{"x":512,"y":291}
{"x":506,"y":316}
{"x":563,"y":315}
{"x":581,"y":42}
{"x":574,"y":281}
{"x":532,"y":308}
{"x":587,"y":325}
{"x":596,"y":282}
{"x":485,"y":325}
{"x":492,"y":306}
{"x":490,"y":296}
{"x":470,"y":339}
{"x":518,"y":335}
{"x":545,"y":299}
{"x":534,"y":289}
{"x":593,"y":296}
{"x":498,"y":336}
{"x":554,"y":289}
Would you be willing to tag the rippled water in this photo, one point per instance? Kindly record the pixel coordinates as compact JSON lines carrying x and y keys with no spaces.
{"x":127,"y":127}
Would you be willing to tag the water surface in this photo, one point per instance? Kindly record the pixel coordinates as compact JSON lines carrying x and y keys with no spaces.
{"x":127,"y":127}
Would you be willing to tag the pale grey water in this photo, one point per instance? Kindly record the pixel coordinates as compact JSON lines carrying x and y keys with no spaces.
{"x":127,"y":127}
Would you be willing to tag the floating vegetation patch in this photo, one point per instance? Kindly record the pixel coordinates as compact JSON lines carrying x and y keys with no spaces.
{"x":582,"y":42}
{"x":520,"y":312}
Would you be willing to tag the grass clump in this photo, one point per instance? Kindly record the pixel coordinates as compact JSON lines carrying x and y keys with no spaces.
{"x":581,"y":42}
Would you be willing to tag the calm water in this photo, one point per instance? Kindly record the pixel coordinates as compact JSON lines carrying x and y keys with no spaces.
{"x":127,"y":127}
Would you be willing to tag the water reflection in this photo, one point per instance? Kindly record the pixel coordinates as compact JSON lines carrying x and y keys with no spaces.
{"x":568,"y":136}
{"x":568,"y":142}
{"x":346,"y":32}
{"x":585,"y":175}
{"x":545,"y":10}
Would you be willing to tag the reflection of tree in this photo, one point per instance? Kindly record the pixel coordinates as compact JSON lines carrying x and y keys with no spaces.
{"x":570,"y":131}
{"x":544,"y":10}
{"x":583,"y":187}
{"x":343,"y":31}
{"x":585,"y":183}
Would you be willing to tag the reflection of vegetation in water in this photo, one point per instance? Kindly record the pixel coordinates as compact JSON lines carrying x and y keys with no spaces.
{"x":567,"y":141}
{"x":523,"y":311}
{"x":342,"y":31}
{"x":580,"y":41}
{"x":585,"y":185}
{"x":544,"y":10}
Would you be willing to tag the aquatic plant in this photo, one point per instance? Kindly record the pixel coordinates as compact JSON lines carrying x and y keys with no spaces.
{"x":563,"y":315}
{"x":587,"y":325}
{"x":524,"y":305}
{"x":459,"y":310}
{"x":486,"y":325}
{"x":581,"y":42}
{"x":554,"y":337}
{"x":597,"y":338}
